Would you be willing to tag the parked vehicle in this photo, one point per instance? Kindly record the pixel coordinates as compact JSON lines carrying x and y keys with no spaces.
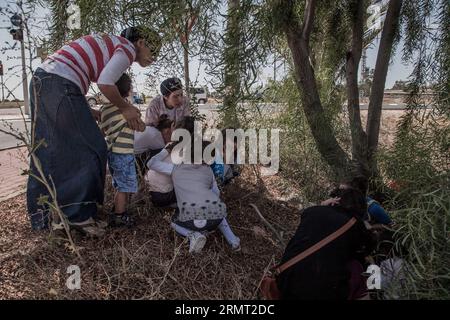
{"x":137,"y":98}
{"x":199,"y":95}
{"x":99,"y":98}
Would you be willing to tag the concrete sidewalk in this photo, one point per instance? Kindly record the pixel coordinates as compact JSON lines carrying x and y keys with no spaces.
{"x":14,"y":118}
{"x":13,"y":114}
{"x":12,"y":163}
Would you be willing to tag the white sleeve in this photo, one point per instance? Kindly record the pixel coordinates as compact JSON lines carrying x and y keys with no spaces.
{"x":156,"y":163}
{"x":116,"y":66}
{"x":150,"y":139}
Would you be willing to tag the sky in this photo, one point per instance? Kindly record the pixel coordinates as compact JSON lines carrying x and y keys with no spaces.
{"x":12,"y":78}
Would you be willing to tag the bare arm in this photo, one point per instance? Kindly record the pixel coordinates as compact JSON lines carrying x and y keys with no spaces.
{"x":112,"y":71}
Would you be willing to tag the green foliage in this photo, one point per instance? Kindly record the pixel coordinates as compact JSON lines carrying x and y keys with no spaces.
{"x":419,"y":161}
{"x":300,"y":161}
{"x":58,"y":29}
{"x":423,"y":217}
{"x":421,"y":150}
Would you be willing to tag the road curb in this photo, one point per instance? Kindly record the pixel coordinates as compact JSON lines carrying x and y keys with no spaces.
{"x":13,"y":194}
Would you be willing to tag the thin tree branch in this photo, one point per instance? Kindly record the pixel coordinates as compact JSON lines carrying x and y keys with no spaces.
{"x":308,"y":19}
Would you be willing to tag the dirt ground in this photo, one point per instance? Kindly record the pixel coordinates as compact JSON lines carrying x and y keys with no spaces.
{"x":150,"y":261}
{"x":388,"y":126}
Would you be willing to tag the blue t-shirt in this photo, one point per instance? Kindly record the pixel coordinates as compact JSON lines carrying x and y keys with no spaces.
{"x":223,"y":172}
{"x":376,"y":212}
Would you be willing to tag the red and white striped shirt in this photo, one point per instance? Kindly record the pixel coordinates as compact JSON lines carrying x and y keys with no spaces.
{"x":94,"y":58}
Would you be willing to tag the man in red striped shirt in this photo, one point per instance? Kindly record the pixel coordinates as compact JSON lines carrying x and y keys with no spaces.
{"x":73,"y":154}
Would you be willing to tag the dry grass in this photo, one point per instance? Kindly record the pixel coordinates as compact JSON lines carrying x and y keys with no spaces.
{"x":149,"y":261}
{"x":388,"y":125}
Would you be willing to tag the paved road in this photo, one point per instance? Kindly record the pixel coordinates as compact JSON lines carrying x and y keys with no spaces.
{"x":387,"y":106}
{"x":13,"y":117}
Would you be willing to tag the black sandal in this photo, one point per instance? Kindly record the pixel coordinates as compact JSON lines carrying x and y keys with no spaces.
{"x":121,"y":220}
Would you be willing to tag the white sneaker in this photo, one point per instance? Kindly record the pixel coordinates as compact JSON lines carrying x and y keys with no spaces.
{"x":196,"y":242}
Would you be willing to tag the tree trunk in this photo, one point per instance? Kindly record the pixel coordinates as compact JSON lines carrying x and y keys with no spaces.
{"x":390,"y":29}
{"x":298,"y":41}
{"x":320,"y":127}
{"x":359,"y":137}
{"x":232,"y":81}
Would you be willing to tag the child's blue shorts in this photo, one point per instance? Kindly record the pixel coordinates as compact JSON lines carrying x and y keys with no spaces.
{"x":123,"y":172}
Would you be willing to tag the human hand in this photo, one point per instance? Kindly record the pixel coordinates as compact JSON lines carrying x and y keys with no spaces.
{"x":133,"y":117}
{"x":331,"y":202}
{"x":170,"y":146}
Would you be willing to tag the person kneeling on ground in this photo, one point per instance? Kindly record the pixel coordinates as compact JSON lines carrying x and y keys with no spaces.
{"x":172,"y":102}
{"x":146,"y":145}
{"x":376,"y":216}
{"x":151,"y":142}
{"x":200,"y":208}
{"x":158,"y":177}
{"x":329,"y":273}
